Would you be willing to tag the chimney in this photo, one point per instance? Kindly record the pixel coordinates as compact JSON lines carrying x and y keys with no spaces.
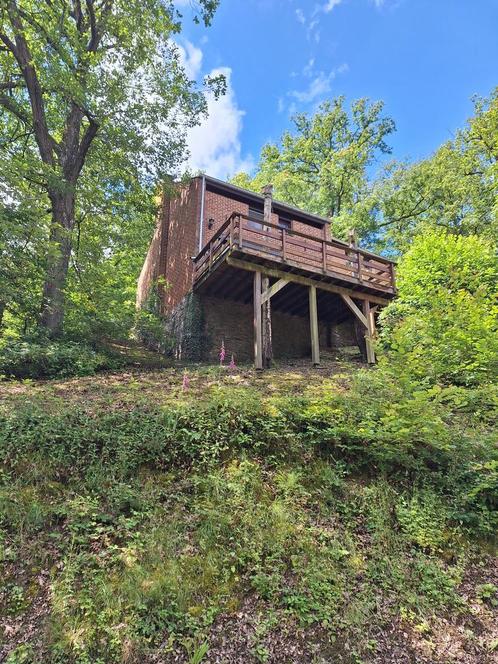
{"x":352,"y":238}
{"x":267,"y":192}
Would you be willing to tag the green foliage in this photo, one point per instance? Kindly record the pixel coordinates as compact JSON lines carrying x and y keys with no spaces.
{"x":454,"y":189}
{"x":43,"y":359}
{"x":322,"y":166}
{"x":95,"y":112}
{"x":443,"y":325}
{"x":334,"y":509}
{"x":488,"y":592}
{"x":150,"y":326}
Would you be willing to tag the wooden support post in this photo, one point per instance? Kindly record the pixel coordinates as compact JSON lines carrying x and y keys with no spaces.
{"x":266,"y":312}
{"x":315,"y":345}
{"x":369,"y":331}
{"x":273,"y":290}
{"x":267,"y":345}
{"x":354,"y":308}
{"x":367,"y":319}
{"x":258,"y":341}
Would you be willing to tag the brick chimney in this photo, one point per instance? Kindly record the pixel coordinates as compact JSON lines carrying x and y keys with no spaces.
{"x":267,"y":192}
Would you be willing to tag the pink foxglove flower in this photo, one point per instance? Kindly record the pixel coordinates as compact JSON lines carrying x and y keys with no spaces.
{"x":232,"y":364}
{"x":186,"y":381}
{"x":222,"y":352}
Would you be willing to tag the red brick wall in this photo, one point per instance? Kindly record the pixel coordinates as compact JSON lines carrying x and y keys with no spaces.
{"x":232,"y":322}
{"x":176,"y":239}
{"x":219,"y":207}
{"x":311,"y":230}
{"x":181,"y":243}
{"x":151,"y":268}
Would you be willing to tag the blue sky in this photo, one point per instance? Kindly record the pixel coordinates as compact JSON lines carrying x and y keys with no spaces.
{"x":424,"y":58}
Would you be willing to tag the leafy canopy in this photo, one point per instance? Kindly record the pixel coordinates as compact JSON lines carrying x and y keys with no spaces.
{"x":322,"y":166}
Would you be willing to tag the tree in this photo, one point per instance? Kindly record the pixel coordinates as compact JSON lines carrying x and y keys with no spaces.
{"x":323,"y":165}
{"x":78,"y":74}
{"x":454,"y":189}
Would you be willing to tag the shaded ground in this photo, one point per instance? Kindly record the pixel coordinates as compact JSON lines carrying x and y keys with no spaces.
{"x":127,"y":389}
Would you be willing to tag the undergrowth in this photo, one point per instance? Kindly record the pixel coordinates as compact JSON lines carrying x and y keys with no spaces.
{"x":343,"y":509}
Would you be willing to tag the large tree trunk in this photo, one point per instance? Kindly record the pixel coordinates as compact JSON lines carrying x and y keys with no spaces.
{"x":52,"y":309}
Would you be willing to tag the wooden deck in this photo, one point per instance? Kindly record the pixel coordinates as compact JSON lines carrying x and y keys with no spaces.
{"x":249,"y":243}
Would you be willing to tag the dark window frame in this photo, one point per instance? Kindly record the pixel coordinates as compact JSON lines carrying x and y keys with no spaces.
{"x":285,"y":222}
{"x":257,"y":213}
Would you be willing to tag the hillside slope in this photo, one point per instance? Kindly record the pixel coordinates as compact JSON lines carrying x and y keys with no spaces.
{"x":333,"y":515}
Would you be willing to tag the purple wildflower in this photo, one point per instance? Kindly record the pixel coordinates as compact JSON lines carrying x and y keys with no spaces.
{"x":186,"y":381}
{"x":222,"y":352}
{"x":232,"y":364}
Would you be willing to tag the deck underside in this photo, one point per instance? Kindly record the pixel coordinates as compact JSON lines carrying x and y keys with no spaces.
{"x":229,"y":282}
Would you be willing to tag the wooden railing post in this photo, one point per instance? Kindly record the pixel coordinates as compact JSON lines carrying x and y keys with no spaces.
{"x":393,"y":275}
{"x":360,"y":266}
{"x":232,"y":229}
{"x":240,"y":232}
{"x":324,"y":256}
{"x":284,"y":243}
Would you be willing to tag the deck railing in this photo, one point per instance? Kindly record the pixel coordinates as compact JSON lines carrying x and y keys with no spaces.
{"x":295,"y":249}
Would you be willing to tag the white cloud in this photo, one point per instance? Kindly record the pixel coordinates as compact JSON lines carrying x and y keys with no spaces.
{"x":300,"y":16}
{"x":191,"y":59}
{"x":214,"y":145}
{"x":308,"y":68}
{"x":318,"y":87}
{"x":329,"y":6}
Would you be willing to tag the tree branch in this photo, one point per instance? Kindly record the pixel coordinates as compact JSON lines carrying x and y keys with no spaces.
{"x":22,"y":54}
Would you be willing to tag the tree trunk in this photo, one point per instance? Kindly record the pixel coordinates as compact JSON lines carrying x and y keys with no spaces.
{"x":52,"y":309}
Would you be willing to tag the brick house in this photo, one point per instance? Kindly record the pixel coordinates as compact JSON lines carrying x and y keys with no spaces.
{"x":228,"y":265}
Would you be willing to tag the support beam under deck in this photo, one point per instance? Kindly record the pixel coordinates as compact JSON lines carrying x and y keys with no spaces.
{"x":258,"y":329}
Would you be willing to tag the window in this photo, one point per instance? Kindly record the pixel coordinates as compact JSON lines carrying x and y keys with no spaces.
{"x":285,"y":222}
{"x":256,"y":214}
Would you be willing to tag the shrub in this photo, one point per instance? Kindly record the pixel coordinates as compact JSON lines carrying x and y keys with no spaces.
{"x":150,"y":329}
{"x":150,"y":325}
{"x":26,"y":359}
{"x":443,"y":326}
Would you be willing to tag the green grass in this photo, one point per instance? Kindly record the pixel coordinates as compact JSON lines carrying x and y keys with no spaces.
{"x":328,"y":514}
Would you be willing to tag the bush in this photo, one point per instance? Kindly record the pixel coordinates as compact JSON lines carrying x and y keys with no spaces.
{"x":443,"y":326}
{"x":26,"y":359}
